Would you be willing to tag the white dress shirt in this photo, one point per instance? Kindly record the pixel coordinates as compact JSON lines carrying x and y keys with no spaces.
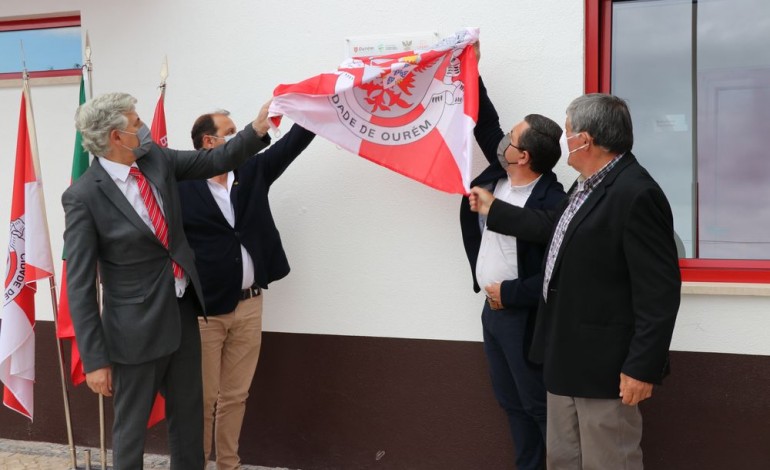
{"x":130,"y":188}
{"x":497,"y":260}
{"x":222,"y":197}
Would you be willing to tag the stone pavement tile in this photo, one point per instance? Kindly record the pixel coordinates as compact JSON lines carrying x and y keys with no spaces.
{"x":27,"y":455}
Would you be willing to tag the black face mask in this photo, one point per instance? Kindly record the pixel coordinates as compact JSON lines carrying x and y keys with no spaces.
{"x":505,"y":142}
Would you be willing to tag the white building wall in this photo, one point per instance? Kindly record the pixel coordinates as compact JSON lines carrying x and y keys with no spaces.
{"x":372,"y":253}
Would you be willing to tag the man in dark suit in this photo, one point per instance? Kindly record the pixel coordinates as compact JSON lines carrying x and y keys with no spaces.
{"x":510,"y":270}
{"x":610,"y":294}
{"x":123,"y":219}
{"x":238,"y":252}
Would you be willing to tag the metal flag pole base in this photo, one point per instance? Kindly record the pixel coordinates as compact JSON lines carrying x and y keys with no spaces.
{"x":102,"y":435}
{"x":65,"y":393}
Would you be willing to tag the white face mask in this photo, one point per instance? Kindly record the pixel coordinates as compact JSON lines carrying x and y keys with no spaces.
{"x":565,"y":151}
{"x":226,"y":138}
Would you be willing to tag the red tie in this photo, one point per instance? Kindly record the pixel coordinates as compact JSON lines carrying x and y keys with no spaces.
{"x":156,"y":216}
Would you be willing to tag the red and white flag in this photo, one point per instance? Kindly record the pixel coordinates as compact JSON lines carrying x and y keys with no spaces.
{"x":160,"y":136}
{"x":29,"y":260}
{"x":413,"y":112}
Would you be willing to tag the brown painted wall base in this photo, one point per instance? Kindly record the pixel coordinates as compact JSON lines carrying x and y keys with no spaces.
{"x":340,"y":402}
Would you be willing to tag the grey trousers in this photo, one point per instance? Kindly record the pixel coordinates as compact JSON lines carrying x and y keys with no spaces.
{"x":178,"y":377}
{"x":593,"y":434}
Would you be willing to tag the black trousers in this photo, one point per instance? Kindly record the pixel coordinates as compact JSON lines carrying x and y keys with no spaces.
{"x":178,"y":377}
{"x":518,"y":384}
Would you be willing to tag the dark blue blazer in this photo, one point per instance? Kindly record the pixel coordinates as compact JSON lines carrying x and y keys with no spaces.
{"x":217,"y":245}
{"x":523,"y":292}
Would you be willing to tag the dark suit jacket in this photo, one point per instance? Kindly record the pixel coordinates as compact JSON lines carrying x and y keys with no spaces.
{"x":217,"y":245}
{"x":140,"y":316}
{"x":614,"y":293}
{"x":524,"y":291}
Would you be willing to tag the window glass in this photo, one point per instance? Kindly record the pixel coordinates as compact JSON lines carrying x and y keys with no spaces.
{"x":733,"y":64}
{"x":44,"y":49}
{"x":697,"y":79}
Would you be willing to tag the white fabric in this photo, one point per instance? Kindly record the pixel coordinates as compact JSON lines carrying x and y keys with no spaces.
{"x":497,"y":260}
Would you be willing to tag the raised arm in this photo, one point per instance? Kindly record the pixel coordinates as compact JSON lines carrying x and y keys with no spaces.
{"x":488,"y":132}
{"x":530,"y":225}
{"x":200,"y":164}
{"x":277,"y":158}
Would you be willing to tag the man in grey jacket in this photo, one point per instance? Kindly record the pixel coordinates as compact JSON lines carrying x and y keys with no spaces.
{"x":123,"y":219}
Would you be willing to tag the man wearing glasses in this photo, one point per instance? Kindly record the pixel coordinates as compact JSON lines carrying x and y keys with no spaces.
{"x":510,"y":270}
{"x":238,"y":252}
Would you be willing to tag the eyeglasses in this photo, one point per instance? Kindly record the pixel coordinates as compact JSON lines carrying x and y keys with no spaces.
{"x":520,"y":149}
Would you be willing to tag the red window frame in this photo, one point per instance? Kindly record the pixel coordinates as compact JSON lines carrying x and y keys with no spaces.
{"x":41,"y":23}
{"x":598,"y":60}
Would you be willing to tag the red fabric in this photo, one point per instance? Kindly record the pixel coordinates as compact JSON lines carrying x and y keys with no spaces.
{"x":158,"y":412}
{"x":65,"y":330}
{"x":158,"y":128}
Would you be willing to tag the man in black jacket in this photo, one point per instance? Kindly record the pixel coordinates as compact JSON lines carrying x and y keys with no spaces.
{"x":510,"y":270}
{"x":238,"y":252}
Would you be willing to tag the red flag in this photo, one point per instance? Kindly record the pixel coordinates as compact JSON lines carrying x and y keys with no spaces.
{"x":65,"y":329}
{"x":159,"y":135}
{"x":158,"y":127}
{"x":413,"y":112}
{"x":29,"y":260}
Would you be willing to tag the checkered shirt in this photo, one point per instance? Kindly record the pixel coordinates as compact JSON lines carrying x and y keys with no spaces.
{"x":581,"y":193}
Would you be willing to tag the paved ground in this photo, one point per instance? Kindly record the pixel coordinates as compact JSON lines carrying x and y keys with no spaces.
{"x":24,"y":455}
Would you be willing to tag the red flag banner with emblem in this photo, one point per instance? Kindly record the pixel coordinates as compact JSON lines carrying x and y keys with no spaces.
{"x":29,"y":260}
{"x":65,"y":329}
{"x":412,"y":112}
{"x":159,"y":135}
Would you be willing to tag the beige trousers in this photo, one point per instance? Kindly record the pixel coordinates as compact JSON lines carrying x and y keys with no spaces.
{"x":230,"y":350}
{"x":592,"y":434}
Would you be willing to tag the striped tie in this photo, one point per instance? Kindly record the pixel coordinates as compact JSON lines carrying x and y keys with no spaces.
{"x":156,"y":216}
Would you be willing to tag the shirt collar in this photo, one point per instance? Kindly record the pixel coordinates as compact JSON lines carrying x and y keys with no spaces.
{"x":527,"y":188}
{"x":593,"y":180}
{"x":230,"y":180}
{"x":117,"y":171}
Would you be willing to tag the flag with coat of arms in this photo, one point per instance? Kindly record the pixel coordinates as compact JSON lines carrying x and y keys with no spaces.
{"x":412,"y":112}
{"x":29,"y":260}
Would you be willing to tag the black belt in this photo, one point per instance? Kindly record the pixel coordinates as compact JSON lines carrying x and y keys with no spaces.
{"x":252,"y":291}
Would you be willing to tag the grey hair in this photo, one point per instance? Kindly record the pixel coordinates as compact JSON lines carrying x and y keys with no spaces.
{"x":606,"y":118}
{"x":96,"y":118}
{"x":223,"y":112}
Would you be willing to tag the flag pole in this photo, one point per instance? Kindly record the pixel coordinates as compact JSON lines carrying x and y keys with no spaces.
{"x":88,"y":66}
{"x":52,"y":278}
{"x":163,"y":76}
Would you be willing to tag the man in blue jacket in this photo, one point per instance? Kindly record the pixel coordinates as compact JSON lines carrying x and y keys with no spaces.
{"x":510,"y":270}
{"x":238,"y":252}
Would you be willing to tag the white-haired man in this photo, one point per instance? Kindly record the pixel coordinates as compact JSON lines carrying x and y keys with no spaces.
{"x":123,"y":218}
